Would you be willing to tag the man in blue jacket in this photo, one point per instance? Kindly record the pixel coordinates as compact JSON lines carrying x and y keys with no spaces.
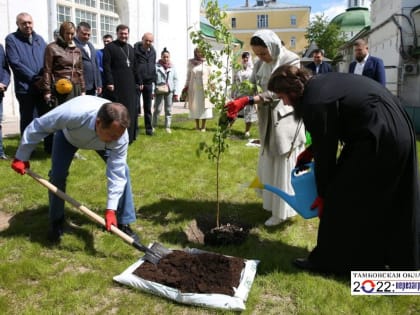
{"x":318,"y":65}
{"x":367,"y":65}
{"x":25,"y":55}
{"x":92,"y":75}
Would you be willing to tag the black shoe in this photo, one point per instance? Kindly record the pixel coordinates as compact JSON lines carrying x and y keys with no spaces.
{"x":127,"y":230}
{"x":56,"y":231}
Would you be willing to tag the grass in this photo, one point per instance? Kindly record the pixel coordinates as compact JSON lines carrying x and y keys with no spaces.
{"x":171,"y":187}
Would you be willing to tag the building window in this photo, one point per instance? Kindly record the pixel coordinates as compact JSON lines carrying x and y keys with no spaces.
{"x":293,"y":42}
{"x":233,"y":23}
{"x":100,"y":14}
{"x":293,"y":20}
{"x":63,"y":14}
{"x":108,"y":5}
{"x":262,"y":21}
{"x":89,"y":3}
{"x":108,"y":25}
{"x":90,"y":18}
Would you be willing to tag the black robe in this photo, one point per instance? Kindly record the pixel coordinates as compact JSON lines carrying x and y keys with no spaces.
{"x":371,"y":192}
{"x":122,"y":74}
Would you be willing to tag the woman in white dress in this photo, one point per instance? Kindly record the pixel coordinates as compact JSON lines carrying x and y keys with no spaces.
{"x":200,"y":107}
{"x":277,"y":126}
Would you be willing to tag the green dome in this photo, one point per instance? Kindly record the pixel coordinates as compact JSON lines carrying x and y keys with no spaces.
{"x":352,"y":19}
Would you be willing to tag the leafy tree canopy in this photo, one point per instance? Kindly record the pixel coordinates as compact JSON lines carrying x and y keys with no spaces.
{"x":326,"y":35}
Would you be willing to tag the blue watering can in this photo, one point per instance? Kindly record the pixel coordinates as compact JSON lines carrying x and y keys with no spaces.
{"x":303,"y":183}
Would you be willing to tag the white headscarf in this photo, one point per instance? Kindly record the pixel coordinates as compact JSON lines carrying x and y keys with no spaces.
{"x":279,"y":54}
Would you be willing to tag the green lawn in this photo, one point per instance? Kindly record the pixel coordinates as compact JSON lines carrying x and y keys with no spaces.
{"x":171,"y":186}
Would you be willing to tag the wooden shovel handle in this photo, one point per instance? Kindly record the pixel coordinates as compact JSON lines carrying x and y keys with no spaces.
{"x":78,"y":205}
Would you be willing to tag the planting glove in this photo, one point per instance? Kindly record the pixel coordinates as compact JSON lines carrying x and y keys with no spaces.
{"x":318,"y":203}
{"x":110,"y":219}
{"x":233,"y":107}
{"x":20,"y":166}
{"x":304,"y":158}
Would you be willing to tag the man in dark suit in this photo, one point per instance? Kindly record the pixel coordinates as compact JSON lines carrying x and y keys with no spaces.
{"x":318,"y":65}
{"x":367,"y":65}
{"x":91,"y":71}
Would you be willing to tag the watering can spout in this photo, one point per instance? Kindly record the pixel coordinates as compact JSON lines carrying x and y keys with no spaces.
{"x":304,"y":185}
{"x":291,"y":200}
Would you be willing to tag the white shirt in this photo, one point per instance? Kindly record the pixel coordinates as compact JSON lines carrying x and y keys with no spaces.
{"x":77,"y":118}
{"x":358,"y":69}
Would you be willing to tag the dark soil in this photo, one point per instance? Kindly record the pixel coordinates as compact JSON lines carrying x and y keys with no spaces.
{"x":203,"y":231}
{"x":195,"y":273}
{"x":227,"y":234}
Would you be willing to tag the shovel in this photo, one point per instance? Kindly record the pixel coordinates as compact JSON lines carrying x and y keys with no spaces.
{"x":153,"y":254}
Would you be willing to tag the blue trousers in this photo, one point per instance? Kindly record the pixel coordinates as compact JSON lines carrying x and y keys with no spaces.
{"x":62,"y":156}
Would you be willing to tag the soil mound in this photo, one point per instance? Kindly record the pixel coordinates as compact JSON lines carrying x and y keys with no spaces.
{"x":195,"y":273}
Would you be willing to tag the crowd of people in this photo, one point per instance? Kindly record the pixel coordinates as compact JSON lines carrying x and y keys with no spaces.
{"x":72,"y":96}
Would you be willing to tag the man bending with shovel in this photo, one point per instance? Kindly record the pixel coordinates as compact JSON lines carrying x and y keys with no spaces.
{"x":84,"y":122}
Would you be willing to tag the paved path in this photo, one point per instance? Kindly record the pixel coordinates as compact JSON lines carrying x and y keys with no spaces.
{"x":12,"y":128}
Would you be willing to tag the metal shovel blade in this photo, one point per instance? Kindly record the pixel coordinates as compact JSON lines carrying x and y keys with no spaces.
{"x":153,"y":254}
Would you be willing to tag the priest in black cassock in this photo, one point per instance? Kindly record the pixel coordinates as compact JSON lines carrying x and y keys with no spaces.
{"x":368,"y":193}
{"x":120,"y":75}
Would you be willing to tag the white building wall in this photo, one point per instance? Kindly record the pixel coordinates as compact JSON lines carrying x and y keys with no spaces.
{"x":171,"y":28}
{"x":387,"y":42}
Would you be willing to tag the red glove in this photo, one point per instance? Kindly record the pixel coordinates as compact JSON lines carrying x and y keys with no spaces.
{"x":318,"y":203}
{"x":110,"y":219}
{"x":304,"y":158}
{"x":20,"y":166}
{"x":233,"y":107}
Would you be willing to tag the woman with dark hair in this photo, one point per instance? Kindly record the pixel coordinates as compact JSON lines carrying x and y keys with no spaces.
{"x":368,"y":195}
{"x":63,"y":67}
{"x":281,"y":136}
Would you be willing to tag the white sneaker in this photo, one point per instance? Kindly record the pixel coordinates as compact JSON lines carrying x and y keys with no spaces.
{"x":168,"y":130}
{"x":203,"y":130}
{"x":273,"y":221}
{"x":247,"y":134}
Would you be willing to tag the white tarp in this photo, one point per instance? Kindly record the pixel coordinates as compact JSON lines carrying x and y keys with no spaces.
{"x":221,"y":301}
